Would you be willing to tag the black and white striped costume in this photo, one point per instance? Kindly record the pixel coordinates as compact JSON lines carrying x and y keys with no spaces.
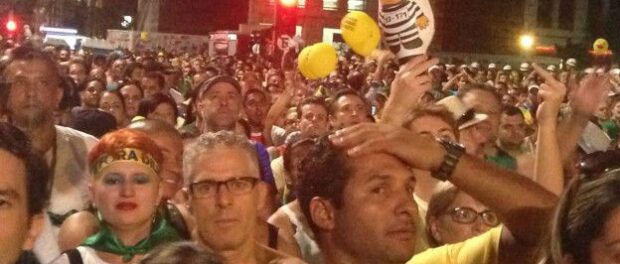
{"x":398,"y":23}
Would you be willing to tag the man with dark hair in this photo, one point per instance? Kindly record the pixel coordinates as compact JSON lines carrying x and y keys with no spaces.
{"x":33,"y":93}
{"x":23,"y":195}
{"x":152,"y":83}
{"x":348,"y":108}
{"x":356,"y":190}
{"x":256,"y":105}
{"x":512,"y":131}
{"x":219,"y":103}
{"x":313,"y":117}
{"x":169,"y":140}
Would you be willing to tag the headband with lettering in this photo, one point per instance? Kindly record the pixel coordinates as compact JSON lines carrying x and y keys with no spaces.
{"x":126,"y":154}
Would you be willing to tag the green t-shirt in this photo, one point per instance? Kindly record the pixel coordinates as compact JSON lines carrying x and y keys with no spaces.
{"x":610,"y":127}
{"x":503,"y":159}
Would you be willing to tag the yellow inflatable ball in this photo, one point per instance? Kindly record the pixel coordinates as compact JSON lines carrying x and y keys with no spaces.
{"x":360,"y":32}
{"x":302,"y":62}
{"x":321,"y":59}
{"x":601,"y":46}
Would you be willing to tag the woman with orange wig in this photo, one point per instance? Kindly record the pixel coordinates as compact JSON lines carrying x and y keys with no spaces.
{"x":126,"y":191}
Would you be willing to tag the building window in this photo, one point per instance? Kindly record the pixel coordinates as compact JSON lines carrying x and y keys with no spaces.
{"x":331,"y":5}
{"x":545,"y":9}
{"x":357,"y":5}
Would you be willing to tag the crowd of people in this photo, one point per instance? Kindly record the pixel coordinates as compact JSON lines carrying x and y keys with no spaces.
{"x":155,"y":157}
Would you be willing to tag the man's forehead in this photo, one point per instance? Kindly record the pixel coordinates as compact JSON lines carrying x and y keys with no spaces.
{"x":350,"y":99}
{"x":387,"y":166}
{"x":221,"y":87}
{"x":12,"y":175}
{"x":35,"y":68}
{"x":311,"y":107}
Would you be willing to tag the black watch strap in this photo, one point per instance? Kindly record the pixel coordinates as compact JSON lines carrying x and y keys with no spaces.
{"x":454,"y":151}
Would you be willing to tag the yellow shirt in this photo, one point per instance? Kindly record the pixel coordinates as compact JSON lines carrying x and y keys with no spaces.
{"x":482,"y":249}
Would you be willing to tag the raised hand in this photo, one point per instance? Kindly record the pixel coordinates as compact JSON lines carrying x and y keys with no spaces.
{"x":590,"y":92}
{"x":410,"y":83}
{"x":551,"y":93}
{"x":418,"y":152}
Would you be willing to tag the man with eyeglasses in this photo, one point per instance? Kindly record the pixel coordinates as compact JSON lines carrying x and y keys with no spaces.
{"x":225,"y":197}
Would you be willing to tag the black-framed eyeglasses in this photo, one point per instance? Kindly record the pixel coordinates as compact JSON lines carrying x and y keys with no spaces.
{"x":467,"y":215}
{"x":209,"y":188}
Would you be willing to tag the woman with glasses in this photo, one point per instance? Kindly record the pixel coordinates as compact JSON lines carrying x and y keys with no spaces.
{"x":126,"y":191}
{"x":454,"y":216}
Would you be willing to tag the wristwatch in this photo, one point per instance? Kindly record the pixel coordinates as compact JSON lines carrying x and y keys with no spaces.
{"x":454,"y":151}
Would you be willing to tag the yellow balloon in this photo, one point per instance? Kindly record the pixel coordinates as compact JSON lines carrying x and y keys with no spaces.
{"x":302,"y":61}
{"x":601,"y":45}
{"x":144,"y":36}
{"x":322,"y":60}
{"x":360,"y":32}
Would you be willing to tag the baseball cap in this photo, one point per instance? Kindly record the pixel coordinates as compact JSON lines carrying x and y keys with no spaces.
{"x":206,"y":85}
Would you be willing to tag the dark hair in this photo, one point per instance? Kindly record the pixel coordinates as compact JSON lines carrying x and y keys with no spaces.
{"x":324,"y":173}
{"x":15,"y":142}
{"x":581,"y":215}
{"x":585,"y":206}
{"x":118,"y":94}
{"x":148,"y":105}
{"x":89,"y":80}
{"x":161,"y":81}
{"x":185,"y":252}
{"x":29,"y":53}
{"x":80,"y":62}
{"x":253,"y":91}
{"x":341,"y":93}
{"x":287,"y":157}
{"x":134,"y":83}
{"x":311,"y":100}
{"x":204,"y":86}
{"x":512,"y":111}
{"x":480,"y":87}
{"x":130,"y":68}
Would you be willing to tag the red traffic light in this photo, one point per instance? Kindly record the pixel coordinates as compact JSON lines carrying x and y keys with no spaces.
{"x":288,"y":3}
{"x":11,"y":25}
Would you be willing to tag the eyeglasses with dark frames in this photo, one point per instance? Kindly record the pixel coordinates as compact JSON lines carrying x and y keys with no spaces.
{"x":467,"y":215}
{"x":236,"y":186}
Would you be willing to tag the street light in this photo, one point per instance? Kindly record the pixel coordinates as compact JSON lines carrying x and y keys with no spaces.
{"x":527,"y":41}
{"x":11,"y":26}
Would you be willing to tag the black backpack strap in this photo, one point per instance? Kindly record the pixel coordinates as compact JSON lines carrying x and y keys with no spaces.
{"x":273,"y":236}
{"x":74,"y":256}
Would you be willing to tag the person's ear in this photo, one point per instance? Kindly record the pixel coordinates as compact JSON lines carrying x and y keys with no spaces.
{"x":432,"y":223}
{"x":35,"y":228}
{"x":262,"y":191}
{"x":322,"y":213}
{"x":91,"y":192}
{"x":58,"y":94}
{"x":332,"y":121}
